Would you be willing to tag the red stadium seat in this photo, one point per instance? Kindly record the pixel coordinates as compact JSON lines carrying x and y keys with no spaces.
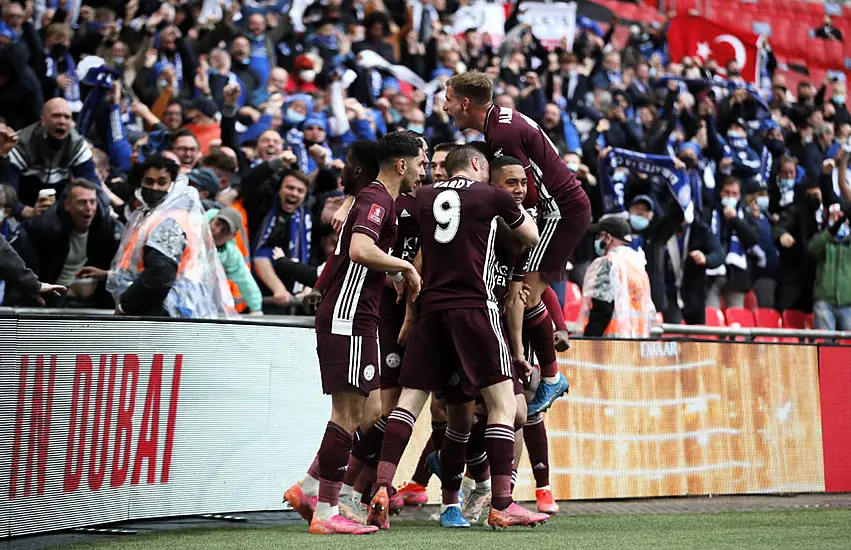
{"x":572,"y":293}
{"x":792,"y":318}
{"x":714,"y":317}
{"x":809,"y":323}
{"x":767,"y":318}
{"x":740,"y":317}
{"x":571,"y":311}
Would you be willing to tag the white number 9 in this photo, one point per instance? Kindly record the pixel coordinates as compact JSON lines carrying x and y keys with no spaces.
{"x":447,"y":214}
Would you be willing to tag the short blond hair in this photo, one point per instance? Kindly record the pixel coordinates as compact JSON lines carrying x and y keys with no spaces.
{"x":474,"y":85}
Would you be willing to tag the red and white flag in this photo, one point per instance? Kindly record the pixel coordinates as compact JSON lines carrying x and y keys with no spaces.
{"x":705,"y":39}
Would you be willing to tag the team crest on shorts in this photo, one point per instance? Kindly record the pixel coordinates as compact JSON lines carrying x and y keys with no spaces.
{"x":393,"y":360}
{"x":454,"y":380}
{"x":369,"y":373}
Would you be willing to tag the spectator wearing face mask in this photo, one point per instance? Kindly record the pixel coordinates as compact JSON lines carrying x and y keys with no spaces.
{"x":616,"y":291}
{"x":163,"y":265}
{"x":788,"y":178}
{"x":766,"y":262}
{"x":739,"y":159}
{"x":737,"y":233}
{"x":59,"y":78}
{"x":798,"y":223}
{"x":303,"y":76}
{"x":831,"y":250}
{"x":641,"y":216}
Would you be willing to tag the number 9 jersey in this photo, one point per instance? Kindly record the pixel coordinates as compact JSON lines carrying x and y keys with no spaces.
{"x":458,"y":227}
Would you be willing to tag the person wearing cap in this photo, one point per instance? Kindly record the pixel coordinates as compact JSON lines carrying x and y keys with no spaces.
{"x":225,"y":224}
{"x":207,"y":183}
{"x":616,"y":291}
{"x":201,"y":119}
{"x":641,"y":214}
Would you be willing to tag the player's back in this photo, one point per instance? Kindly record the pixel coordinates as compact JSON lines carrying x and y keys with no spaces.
{"x":458,"y":227}
{"x":510,"y":132}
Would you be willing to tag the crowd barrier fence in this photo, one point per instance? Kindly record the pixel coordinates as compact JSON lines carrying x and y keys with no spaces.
{"x":104,"y":419}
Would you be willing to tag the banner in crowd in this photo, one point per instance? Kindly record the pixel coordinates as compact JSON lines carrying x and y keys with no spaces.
{"x":666,"y":418}
{"x":704,"y":39}
{"x":485,"y":17}
{"x":111,"y":420}
{"x":551,"y":23}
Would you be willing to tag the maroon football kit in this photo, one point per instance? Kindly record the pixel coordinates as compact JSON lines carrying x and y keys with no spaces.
{"x":347,"y":317}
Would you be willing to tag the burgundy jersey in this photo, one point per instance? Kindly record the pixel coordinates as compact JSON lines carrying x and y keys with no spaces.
{"x":350,"y":305}
{"x":511,"y":133}
{"x":510,"y":266}
{"x":458,"y":224}
{"x":406,"y":247}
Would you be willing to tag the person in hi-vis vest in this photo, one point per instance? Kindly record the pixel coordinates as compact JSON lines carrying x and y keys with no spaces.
{"x":167,"y":264}
{"x":616,"y":291}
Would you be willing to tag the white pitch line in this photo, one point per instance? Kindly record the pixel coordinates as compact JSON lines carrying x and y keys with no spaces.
{"x":649,"y":403}
{"x":653,"y":473}
{"x":635,"y":369}
{"x":644,"y":437}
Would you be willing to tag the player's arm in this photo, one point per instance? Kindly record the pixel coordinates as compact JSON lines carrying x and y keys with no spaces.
{"x":364,"y":251}
{"x":410,"y":306}
{"x":514,"y":307}
{"x":527,"y":231}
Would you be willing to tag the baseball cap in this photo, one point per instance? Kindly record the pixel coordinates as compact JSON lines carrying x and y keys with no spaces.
{"x":644,"y":198}
{"x":232,"y":217}
{"x":203,"y":104}
{"x":205,"y":179}
{"x":616,"y":226}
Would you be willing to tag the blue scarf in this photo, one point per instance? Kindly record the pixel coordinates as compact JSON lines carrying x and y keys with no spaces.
{"x":100,"y":81}
{"x":300,"y":225}
{"x":766,"y":163}
{"x":178,"y":67}
{"x":613,"y":192}
{"x":735,"y":253}
{"x":679,"y":182}
{"x":71,"y":95}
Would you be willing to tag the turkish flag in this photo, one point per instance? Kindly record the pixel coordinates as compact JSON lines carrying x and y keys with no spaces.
{"x":705,"y":39}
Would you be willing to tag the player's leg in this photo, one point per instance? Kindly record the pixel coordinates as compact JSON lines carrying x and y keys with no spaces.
{"x":561,"y":339}
{"x":535,"y":437}
{"x":560,"y":234}
{"x":477,"y":488}
{"x":486,"y":363}
{"x":538,"y":330}
{"x":397,"y":434}
{"x":361,"y":448}
{"x":452,"y":461}
{"x":414,"y":492}
{"x":519,"y":422}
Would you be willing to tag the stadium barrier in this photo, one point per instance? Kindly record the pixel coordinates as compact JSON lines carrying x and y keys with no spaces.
{"x":104,"y":419}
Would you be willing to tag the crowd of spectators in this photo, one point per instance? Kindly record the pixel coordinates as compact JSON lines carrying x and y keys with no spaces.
{"x":258,"y":102}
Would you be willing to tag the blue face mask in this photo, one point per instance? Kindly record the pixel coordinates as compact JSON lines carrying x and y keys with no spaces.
{"x":294,"y":117}
{"x":418,"y":128}
{"x":838,"y":99}
{"x":786,"y":183}
{"x":599,"y":247}
{"x":639,"y":223}
{"x":762,"y":202}
{"x":843,"y":232}
{"x":730,"y":202}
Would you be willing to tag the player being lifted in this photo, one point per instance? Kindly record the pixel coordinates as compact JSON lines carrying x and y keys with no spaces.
{"x":564,"y":211}
{"x":456,"y":345}
{"x":347,"y":320}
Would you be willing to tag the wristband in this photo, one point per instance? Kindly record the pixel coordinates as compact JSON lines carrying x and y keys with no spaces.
{"x":397,"y":277}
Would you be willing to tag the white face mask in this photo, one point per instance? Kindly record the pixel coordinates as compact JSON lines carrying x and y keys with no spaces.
{"x":308,"y":75}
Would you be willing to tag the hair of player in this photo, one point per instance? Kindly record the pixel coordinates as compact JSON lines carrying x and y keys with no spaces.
{"x":502,"y":162}
{"x":397,"y":145}
{"x":481,"y":147}
{"x":474,"y":85}
{"x":460,"y":158}
{"x":365,"y":153}
{"x":446,"y":146}
{"x":161,"y":162}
